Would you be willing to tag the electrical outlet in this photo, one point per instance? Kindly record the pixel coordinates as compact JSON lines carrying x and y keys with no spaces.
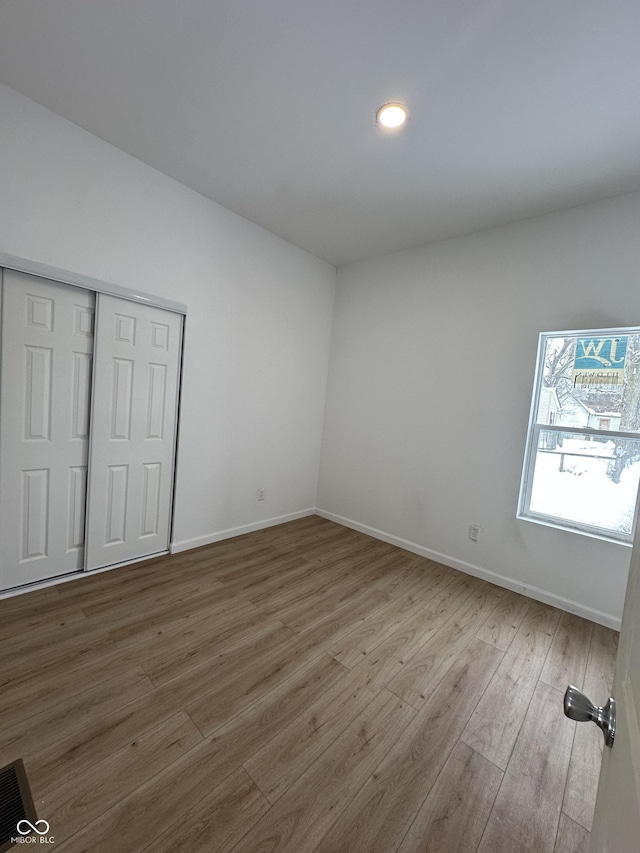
{"x":261,"y":493}
{"x":474,"y":532}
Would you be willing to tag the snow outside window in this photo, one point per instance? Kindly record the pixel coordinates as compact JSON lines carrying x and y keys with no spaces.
{"x":582,"y":461}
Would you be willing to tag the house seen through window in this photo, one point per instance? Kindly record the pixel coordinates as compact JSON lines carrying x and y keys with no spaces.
{"x":582,"y":462}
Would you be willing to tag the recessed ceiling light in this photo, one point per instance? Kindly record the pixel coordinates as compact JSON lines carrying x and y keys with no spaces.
{"x":391,"y":116}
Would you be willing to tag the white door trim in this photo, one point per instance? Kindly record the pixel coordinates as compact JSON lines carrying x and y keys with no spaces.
{"x":13,"y":262}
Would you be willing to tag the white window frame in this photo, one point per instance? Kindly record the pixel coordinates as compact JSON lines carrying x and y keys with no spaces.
{"x":525,"y":513}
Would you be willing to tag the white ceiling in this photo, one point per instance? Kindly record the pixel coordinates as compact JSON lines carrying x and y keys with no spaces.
{"x":518,"y":107}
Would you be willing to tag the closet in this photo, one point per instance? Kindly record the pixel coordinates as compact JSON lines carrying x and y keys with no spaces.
{"x":89,"y":385}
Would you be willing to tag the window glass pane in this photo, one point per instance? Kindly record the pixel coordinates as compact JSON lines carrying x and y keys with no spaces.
{"x":591,"y":382}
{"x":585,"y":479}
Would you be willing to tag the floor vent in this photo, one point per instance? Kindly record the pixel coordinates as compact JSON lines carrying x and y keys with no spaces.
{"x":16,"y":803}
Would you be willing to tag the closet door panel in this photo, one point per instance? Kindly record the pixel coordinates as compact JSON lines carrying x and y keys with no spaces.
{"x":133,"y":431}
{"x":47,"y":346}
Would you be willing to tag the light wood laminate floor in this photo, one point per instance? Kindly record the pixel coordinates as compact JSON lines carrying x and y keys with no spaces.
{"x":302,"y":688}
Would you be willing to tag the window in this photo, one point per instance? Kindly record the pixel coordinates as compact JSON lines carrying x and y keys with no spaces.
{"x":582,"y":460}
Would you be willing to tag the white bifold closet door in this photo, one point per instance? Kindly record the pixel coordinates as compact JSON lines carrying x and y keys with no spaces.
{"x":133,"y":423}
{"x":47,"y":345}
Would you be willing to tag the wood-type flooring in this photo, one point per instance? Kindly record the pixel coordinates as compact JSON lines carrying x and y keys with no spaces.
{"x":301,"y":688}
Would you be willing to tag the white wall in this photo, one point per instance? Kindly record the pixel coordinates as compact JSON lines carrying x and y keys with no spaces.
{"x":431,"y":366}
{"x":258,"y":328}
{"x":430,"y":384}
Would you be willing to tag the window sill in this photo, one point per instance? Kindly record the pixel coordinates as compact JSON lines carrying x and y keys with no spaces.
{"x":569,"y":528}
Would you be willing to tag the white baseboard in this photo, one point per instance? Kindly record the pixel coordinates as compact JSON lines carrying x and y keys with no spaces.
{"x":558,"y":601}
{"x":229,"y":533}
{"x":553,"y":599}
